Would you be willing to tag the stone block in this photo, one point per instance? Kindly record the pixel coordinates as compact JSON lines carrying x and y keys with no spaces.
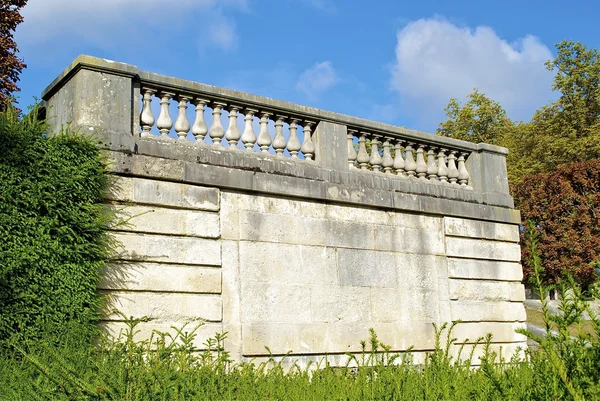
{"x":361,"y":268}
{"x":147,"y":331}
{"x":481,"y":229}
{"x":488,"y":311}
{"x":163,"y":193}
{"x":163,"y":307}
{"x":501,"y":332}
{"x":159,"y":220}
{"x":169,"y":249}
{"x":479,"y":290}
{"x":420,"y":271}
{"x":231,"y":296}
{"x":340,"y":304}
{"x":483,"y":249}
{"x":426,"y":240}
{"x":484,"y":269}
{"x":288,"y":229}
{"x":161,"y":278}
{"x":275,"y":302}
{"x":408,"y":306}
{"x":287,"y":264}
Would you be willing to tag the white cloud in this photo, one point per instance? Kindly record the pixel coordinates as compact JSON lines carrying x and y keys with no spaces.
{"x":317,"y":79}
{"x":436,"y":60}
{"x":99,"y":22}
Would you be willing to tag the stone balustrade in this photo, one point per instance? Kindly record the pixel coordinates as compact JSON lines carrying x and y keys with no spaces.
{"x":113,"y":98}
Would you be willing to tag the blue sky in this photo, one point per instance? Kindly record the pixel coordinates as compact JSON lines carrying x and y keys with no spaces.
{"x":392,"y":61}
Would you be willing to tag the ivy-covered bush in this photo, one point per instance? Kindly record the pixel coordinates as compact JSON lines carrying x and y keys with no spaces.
{"x":52,"y":229}
{"x":564,"y":206}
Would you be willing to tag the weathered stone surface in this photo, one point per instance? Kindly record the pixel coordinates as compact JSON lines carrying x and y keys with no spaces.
{"x":162,"y":193}
{"x":483,"y":249}
{"x":168,"y":249}
{"x":340,"y":304}
{"x":485,"y":290}
{"x":426,"y":240}
{"x":484,"y":269}
{"x":481,"y":229}
{"x":405,"y":305}
{"x":164,"y":307}
{"x":501,"y":332}
{"x":488,"y":311}
{"x":360,"y":268}
{"x":158,"y":277}
{"x":159,"y":220}
{"x":147,"y":330}
{"x":273,"y":302}
{"x":231,"y":297}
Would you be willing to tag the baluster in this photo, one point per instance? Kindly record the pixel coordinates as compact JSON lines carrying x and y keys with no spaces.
{"x":388,"y":162}
{"x":233,"y":133}
{"x":442,"y":169}
{"x":182,"y":125}
{"x":279,"y":140}
{"x":463,"y":174}
{"x":264,"y":139}
{"x":351,"y":151}
{"x":199,"y":129}
{"x":421,"y":165}
{"x":216,"y":131}
{"x":363,"y":156}
{"x":308,"y":147}
{"x":399,"y":163}
{"x":432,"y":168}
{"x":375,"y":160}
{"x":164,"y":122}
{"x":293,"y":145}
{"x":146,"y":116}
{"x":248,"y":136}
{"x":410,"y":165}
{"x":452,"y":170}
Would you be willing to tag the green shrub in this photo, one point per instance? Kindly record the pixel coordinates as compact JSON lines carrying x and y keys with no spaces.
{"x":52,"y":229}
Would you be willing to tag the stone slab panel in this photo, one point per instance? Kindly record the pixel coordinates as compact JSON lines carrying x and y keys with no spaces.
{"x":361,"y":268}
{"x":340,"y":304}
{"x":147,"y":331}
{"x":480,"y":311}
{"x":484,"y":269}
{"x":485,"y":290}
{"x":426,"y":240}
{"x":288,"y":264}
{"x":163,"y":193}
{"x":481,"y":229}
{"x":163,"y":307}
{"x":321,"y":338}
{"x":483,"y":249}
{"x":168,"y":249}
{"x":158,"y":220}
{"x":231,"y":296}
{"x":423,"y":271}
{"x":275,"y":302}
{"x":405,"y":305}
{"x":159,"y":277}
{"x":501,"y":332}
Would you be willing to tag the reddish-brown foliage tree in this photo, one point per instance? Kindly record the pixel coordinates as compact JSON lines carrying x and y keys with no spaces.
{"x":564,"y":206}
{"x":10,"y":65}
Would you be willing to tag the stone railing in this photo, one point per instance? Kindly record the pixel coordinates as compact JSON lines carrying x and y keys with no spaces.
{"x":115,"y":98}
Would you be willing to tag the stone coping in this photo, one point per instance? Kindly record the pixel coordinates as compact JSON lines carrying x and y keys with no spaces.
{"x":231,"y":96}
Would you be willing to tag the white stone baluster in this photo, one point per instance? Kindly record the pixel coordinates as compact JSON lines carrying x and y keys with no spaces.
{"x":442,"y":169}
{"x":248,"y":136}
{"x":363,"y":156}
{"x":432,"y":168}
{"x":232,"y":135}
{"x":452,"y":170}
{"x":410,"y":165}
{"x":463,"y":174}
{"x":182,"y":125}
{"x":146,"y":116}
{"x":217,"y":132}
{"x":375,"y":160}
{"x":293,"y":145}
{"x":399,"y":164}
{"x":351,"y":151}
{"x":199,"y":129}
{"x":308,"y":146}
{"x":264,"y":139}
{"x":279,"y":142}
{"x":421,"y":165}
{"x":164,"y":122}
{"x":388,"y":162}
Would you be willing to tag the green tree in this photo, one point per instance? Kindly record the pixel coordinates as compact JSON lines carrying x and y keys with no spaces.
{"x":10,"y":65}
